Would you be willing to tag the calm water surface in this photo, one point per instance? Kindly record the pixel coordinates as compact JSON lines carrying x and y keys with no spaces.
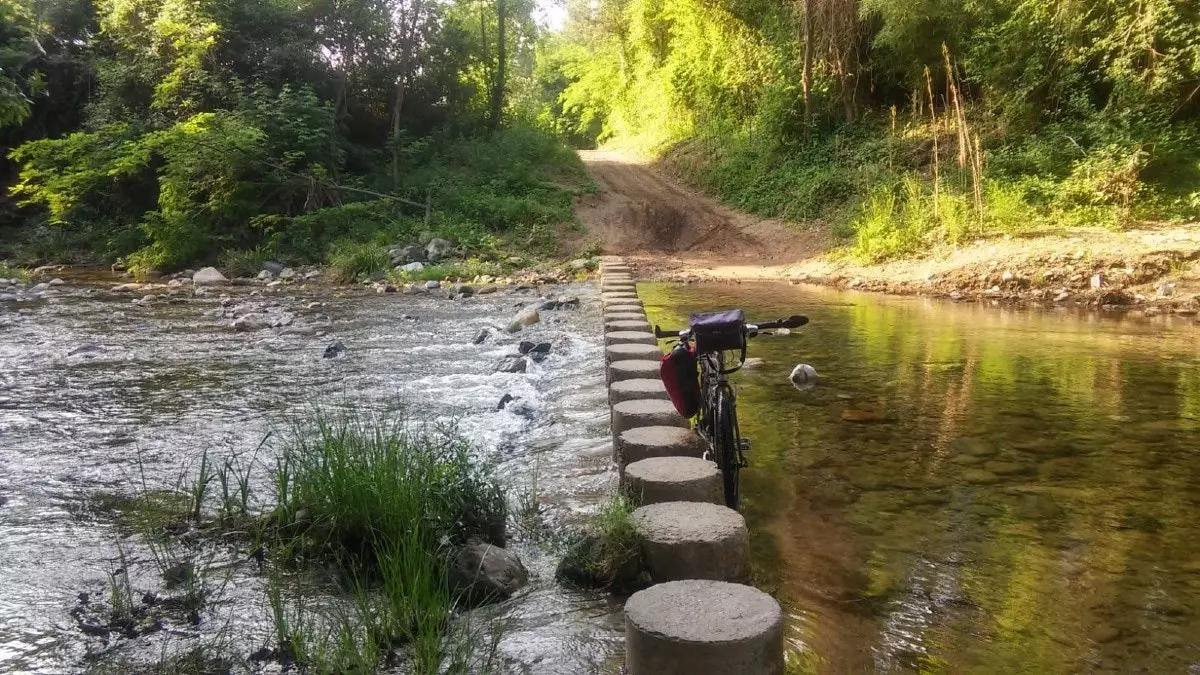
{"x":1023,"y":497}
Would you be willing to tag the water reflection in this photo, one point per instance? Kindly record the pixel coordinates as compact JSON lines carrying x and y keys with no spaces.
{"x":971,"y":489}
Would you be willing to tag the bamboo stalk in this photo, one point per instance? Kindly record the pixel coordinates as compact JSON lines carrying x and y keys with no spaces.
{"x":937,"y":178}
{"x":964,"y":134}
{"x":977,"y":177}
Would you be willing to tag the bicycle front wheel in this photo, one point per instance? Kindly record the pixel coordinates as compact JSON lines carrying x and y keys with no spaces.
{"x":724,"y":440}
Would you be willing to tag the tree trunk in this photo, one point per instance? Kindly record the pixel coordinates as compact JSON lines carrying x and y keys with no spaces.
{"x":806,"y":74}
{"x":501,"y":57}
{"x":408,"y":48}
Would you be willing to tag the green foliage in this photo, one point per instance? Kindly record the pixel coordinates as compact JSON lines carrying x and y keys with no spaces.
{"x":1083,"y":115}
{"x":209,"y":126}
{"x":352,"y":262}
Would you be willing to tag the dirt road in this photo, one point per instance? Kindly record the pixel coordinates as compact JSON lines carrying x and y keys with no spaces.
{"x":669,"y":231}
{"x":641,"y":213}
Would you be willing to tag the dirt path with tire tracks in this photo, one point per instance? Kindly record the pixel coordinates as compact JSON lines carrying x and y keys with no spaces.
{"x":669,"y":231}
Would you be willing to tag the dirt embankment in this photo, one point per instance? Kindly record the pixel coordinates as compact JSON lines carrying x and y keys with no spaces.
{"x":670,"y":232}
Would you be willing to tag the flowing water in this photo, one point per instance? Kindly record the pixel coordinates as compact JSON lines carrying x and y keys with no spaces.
{"x":97,"y":394}
{"x":971,"y":488}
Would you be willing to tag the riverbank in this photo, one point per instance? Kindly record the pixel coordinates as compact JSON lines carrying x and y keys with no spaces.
{"x":669,"y":232}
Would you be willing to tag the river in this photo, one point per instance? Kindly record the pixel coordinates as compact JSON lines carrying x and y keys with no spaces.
{"x":101,"y":395}
{"x":971,"y":488}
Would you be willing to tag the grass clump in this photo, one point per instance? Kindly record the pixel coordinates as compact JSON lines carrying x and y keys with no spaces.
{"x":11,"y":272}
{"x":244,"y":263}
{"x":466,"y":270}
{"x":608,"y":553}
{"x":354,"y":261}
{"x":382,"y":504}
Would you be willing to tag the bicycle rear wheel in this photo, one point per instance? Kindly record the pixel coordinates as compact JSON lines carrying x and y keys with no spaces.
{"x":724,"y":440}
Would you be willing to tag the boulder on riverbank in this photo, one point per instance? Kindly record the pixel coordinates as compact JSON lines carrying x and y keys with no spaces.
{"x":209,"y":276}
{"x":485,"y":573}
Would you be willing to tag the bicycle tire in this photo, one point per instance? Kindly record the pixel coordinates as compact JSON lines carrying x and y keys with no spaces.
{"x":724,"y":440}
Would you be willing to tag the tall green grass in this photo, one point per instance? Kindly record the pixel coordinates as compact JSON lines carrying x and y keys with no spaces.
{"x":376,"y":504}
{"x":10,"y":272}
{"x":354,"y":261}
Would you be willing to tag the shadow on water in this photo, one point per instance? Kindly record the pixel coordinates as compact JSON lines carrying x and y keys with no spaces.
{"x":100,"y":394}
{"x":970,"y":488}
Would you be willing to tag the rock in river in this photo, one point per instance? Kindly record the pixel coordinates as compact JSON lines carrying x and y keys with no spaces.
{"x":526,"y":317}
{"x":483,"y":573}
{"x":481,"y":336}
{"x":335,"y":350}
{"x":209,"y":276}
{"x":512,"y":364}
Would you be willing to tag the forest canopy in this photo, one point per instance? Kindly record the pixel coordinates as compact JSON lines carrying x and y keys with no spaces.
{"x":167,"y":131}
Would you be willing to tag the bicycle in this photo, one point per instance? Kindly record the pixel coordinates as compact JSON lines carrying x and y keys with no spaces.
{"x":709,"y":338}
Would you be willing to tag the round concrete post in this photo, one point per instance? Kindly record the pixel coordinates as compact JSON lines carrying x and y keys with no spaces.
{"x":635,"y":352}
{"x":640,"y":324}
{"x":618,"y":315}
{"x":693,"y":540}
{"x":632,"y":369}
{"x":673,"y":479}
{"x":698,"y":627}
{"x":622,"y":304}
{"x":657,"y":441}
{"x":628,"y":415}
{"x":630,"y":337}
{"x":629,"y":390}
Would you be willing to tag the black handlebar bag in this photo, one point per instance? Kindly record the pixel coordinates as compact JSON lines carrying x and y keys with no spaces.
{"x":719,"y":331}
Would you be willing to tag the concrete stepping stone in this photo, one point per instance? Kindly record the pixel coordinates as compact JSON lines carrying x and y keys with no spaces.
{"x":693,"y":540}
{"x":640,"y":324}
{"x":630,"y":337}
{"x":642,"y":443}
{"x":698,"y":627}
{"x":644,"y":412}
{"x":616,"y":267}
{"x":619,"y":295}
{"x":632,"y":369}
{"x":634,"y":351}
{"x":621,"y":304}
{"x":609,"y":275}
{"x":673,"y":479}
{"x":629,"y":390}
{"x":624,"y":316}
{"x":617,"y":286}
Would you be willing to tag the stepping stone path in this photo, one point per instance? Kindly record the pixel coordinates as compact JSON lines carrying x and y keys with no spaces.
{"x":674,"y":479}
{"x":694,"y":621}
{"x":633,"y":351}
{"x":692,"y":540}
{"x":628,"y":390}
{"x":645,"y":412}
{"x":700,"y":627}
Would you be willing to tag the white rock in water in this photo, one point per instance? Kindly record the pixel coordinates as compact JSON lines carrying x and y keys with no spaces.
{"x":527,"y":317}
{"x":803,"y":377}
{"x":209,"y":276}
{"x":287,"y":274}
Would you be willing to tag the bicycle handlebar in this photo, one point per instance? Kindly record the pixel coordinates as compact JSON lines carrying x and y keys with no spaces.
{"x":794,"y":321}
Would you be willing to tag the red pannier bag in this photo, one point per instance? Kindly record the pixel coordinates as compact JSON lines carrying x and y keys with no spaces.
{"x":680,"y":373}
